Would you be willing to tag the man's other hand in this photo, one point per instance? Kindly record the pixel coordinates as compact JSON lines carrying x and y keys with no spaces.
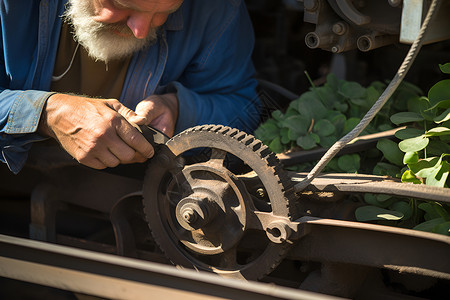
{"x":160,"y":112}
{"x":95,"y":131}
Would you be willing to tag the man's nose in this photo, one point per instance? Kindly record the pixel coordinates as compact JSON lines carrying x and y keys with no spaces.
{"x":139,"y":23}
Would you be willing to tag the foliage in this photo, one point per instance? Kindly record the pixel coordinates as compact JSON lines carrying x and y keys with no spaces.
{"x":425,"y":150}
{"x":324,"y":114}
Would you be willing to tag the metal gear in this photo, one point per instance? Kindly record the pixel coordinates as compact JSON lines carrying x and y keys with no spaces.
{"x":204,"y":216}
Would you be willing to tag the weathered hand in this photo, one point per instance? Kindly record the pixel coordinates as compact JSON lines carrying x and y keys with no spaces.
{"x":94,"y":131}
{"x":160,"y":111}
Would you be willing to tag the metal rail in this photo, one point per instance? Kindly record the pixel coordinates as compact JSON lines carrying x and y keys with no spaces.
{"x":363,"y":244}
{"x":358,"y":183}
{"x":110,"y":276}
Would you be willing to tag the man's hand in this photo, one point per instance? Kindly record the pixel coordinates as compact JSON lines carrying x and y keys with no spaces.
{"x":94,"y":131}
{"x":160,"y":112}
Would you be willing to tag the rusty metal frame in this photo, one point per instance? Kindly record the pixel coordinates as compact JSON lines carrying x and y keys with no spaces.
{"x":117,"y":277}
{"x":364,"y":244}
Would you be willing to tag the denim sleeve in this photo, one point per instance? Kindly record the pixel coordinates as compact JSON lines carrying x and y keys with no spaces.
{"x":218,"y":85}
{"x":20,"y":112}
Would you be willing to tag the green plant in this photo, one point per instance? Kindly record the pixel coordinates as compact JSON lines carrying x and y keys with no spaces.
{"x":425,"y":150}
{"x":322,"y":115}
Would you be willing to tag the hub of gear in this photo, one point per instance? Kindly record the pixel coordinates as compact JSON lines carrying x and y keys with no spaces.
{"x":205,"y":216}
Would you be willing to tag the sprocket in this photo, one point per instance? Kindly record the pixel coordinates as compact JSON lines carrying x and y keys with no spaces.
{"x":204,"y":216}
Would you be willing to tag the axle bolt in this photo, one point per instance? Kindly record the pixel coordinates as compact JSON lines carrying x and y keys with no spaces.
{"x":189,"y":215}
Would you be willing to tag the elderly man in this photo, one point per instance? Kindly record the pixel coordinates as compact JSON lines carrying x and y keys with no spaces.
{"x":80,"y":72}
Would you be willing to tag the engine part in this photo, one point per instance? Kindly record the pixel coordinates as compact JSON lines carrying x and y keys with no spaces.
{"x":206,"y":217}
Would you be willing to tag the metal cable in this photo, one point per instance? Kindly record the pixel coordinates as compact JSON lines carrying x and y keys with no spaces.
{"x":390,"y":89}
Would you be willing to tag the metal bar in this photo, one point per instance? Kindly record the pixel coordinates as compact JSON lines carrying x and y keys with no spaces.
{"x":110,"y":276}
{"x":357,"y":183}
{"x":404,"y":250}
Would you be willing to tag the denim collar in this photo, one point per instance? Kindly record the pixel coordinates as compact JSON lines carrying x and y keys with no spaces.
{"x":175,"y":21}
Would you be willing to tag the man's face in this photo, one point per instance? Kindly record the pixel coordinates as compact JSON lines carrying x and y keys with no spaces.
{"x":113,"y":29}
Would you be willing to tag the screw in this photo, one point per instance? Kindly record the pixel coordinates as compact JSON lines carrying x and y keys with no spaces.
{"x":339,"y":28}
{"x":261,"y":193}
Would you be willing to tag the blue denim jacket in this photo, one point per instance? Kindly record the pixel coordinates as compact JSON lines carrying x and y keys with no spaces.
{"x":203,"y":54}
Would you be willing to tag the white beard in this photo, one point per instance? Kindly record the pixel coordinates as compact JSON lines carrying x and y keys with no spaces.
{"x":99,"y":39}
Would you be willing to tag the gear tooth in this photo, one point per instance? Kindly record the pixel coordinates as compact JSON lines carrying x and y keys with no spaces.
{"x":216,"y":128}
{"x":240,"y":136}
{"x":224,"y":130}
{"x":233,"y":132}
{"x":248,"y":140}
{"x":256,"y":145}
{"x":209,"y":127}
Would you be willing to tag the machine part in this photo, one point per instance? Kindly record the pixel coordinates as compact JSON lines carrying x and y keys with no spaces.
{"x":339,"y":23}
{"x":359,"y":183}
{"x":368,"y":117}
{"x":202,"y":215}
{"x":113,"y":277}
{"x":356,"y":243}
{"x":413,"y":12}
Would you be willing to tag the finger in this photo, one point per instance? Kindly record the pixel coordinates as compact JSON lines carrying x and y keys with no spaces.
{"x":124,"y":153}
{"x":133,"y":138}
{"x":127,"y":113}
{"x":94,"y":164}
{"x":109,"y":159}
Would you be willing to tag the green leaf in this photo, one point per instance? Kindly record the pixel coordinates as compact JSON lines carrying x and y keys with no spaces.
{"x":297,"y":123}
{"x":373,"y":213}
{"x":327,"y":141}
{"x":350,"y":124}
{"x":426,"y":172}
{"x":442,"y":228}
{"x":411,"y":158}
{"x":407,"y":133}
{"x":332,"y":81}
{"x":439,"y":92}
{"x":352,"y":90}
{"x":277,"y":115}
{"x":390,"y":151}
{"x":406,"y":117}
{"x":439,"y":175}
{"x":404,"y":208}
{"x":372,"y":95}
{"x":445,"y":68}
{"x":327,"y":95}
{"x":438,"y":131}
{"x":414,"y":144}
{"x":423,"y":164}
{"x":430,"y":225}
{"x":339,"y":123}
{"x":418,"y":104}
{"x":310,"y":106}
{"x":324,"y":128}
{"x":276,"y":145}
{"x":293,"y":135}
{"x":385,"y":169}
{"x":409,"y":176}
{"x":284,"y":134}
{"x":432,"y":210}
{"x":349,"y":163}
{"x":441,"y":104}
{"x":445,"y":116}
{"x":306,"y":142}
{"x":267,"y":131}
{"x":372,"y":199}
